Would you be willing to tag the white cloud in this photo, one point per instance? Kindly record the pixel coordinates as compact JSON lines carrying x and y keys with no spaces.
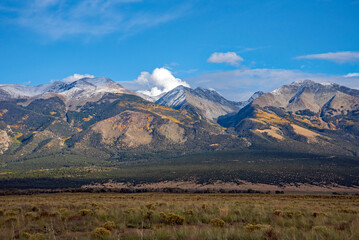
{"x":160,"y":81}
{"x":76,"y":77}
{"x":341,"y":57}
{"x":349,"y":75}
{"x":60,"y":18}
{"x":238,"y":85}
{"x":228,"y":57}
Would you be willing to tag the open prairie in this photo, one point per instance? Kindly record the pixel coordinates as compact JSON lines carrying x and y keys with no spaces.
{"x":178,"y":216}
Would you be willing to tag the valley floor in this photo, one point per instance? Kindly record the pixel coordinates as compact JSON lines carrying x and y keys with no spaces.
{"x":225,"y":187}
{"x":178,"y":216}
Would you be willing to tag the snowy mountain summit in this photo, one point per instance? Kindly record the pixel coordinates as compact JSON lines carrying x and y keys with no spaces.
{"x":208,"y":103}
{"x":74,"y":93}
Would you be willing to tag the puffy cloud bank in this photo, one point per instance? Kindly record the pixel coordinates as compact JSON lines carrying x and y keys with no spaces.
{"x":159,"y":81}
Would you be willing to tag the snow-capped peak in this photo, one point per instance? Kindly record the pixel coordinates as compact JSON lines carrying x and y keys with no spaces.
{"x":174,"y":98}
{"x":88,"y":85}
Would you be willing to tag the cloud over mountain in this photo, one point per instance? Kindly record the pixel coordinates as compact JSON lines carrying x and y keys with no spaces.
{"x":159,"y":81}
{"x":76,"y":77}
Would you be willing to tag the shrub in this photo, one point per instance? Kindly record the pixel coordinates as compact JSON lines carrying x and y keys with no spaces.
{"x":161,"y":204}
{"x":163,"y":216}
{"x":35,"y":209}
{"x":100,"y":233}
{"x":352,"y":211}
{"x":55,"y":214}
{"x":26,"y":235}
{"x":278,"y":213}
{"x":150,"y":206}
{"x":174,"y":219}
{"x":75,"y":217}
{"x":37,"y":236}
{"x":94,"y":205}
{"x":319,"y":214}
{"x":189,"y":212}
{"x":63,"y":210}
{"x":109,"y":225}
{"x":131,"y":225}
{"x":17,"y":209}
{"x":44,"y":214}
{"x":253,"y":227}
{"x":11,"y":219}
{"x":130,"y":210}
{"x":149,"y":214}
{"x":85,"y":212}
{"x":216,"y":222}
{"x":289,"y":214}
{"x":342,"y":226}
{"x":298,"y":214}
{"x":10,"y":213}
{"x":271,"y":234}
{"x":30,"y":215}
{"x":319,"y":228}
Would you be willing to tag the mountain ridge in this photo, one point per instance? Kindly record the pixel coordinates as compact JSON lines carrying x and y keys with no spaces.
{"x":97,"y":124}
{"x":208,"y":103}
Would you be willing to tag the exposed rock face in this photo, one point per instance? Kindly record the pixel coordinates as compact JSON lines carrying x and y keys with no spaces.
{"x":4,"y":95}
{"x":309,"y":95}
{"x":5,"y":141}
{"x":173,"y":132}
{"x":133,"y":127}
{"x":208,"y":103}
{"x":73,"y":94}
{"x":303,"y":112}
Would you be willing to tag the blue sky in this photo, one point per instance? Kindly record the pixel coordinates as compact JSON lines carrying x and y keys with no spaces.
{"x":235,"y":47}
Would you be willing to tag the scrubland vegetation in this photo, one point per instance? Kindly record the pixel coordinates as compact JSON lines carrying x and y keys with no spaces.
{"x":276,"y":168}
{"x":178,"y":216}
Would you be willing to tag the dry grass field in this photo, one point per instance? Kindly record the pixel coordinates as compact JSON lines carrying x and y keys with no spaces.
{"x":178,"y":216}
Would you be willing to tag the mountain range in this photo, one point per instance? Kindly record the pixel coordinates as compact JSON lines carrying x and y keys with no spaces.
{"x":98,"y":122}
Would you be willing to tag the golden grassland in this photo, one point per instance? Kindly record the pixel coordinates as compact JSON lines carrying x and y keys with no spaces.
{"x":178,"y":216}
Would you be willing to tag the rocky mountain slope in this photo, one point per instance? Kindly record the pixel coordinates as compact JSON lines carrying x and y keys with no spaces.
{"x":305,"y":115}
{"x":303,"y":132}
{"x":206,"y":103}
{"x":98,"y":117}
{"x":73,"y":94}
